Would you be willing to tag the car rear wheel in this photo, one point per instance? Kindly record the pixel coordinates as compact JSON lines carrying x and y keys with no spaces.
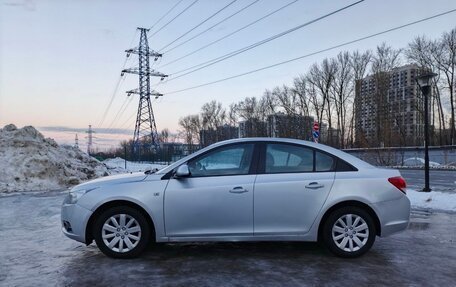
{"x":349,"y":232}
{"x":121,"y":232}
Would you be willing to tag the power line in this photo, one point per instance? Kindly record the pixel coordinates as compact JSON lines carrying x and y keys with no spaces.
{"x":114,"y":93}
{"x":175,"y":17}
{"x":128,"y":120}
{"x":230,"y":34}
{"x":131,"y":116}
{"x":122,"y":109}
{"x":166,"y":14}
{"x":201,"y":23}
{"x":314,"y":53}
{"x":120,"y":80}
{"x":213,"y":26}
{"x":259,"y":43}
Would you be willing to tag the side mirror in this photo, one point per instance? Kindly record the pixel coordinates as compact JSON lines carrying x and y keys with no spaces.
{"x":182,"y":171}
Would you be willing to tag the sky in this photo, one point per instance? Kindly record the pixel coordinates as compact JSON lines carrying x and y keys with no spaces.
{"x":60,"y":60}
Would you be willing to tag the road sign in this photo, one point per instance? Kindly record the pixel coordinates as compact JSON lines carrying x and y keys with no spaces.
{"x":315,"y":131}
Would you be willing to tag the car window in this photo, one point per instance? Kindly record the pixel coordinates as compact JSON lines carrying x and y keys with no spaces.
{"x":324,"y":162}
{"x":230,"y":160}
{"x":288,"y":158}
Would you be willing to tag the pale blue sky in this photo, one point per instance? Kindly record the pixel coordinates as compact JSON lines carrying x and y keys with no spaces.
{"x":60,"y":60}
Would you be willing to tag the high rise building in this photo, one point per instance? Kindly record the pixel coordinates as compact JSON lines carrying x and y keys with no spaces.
{"x":389,"y":109}
{"x":252,"y":128}
{"x":225,"y":132}
{"x":280,"y":125}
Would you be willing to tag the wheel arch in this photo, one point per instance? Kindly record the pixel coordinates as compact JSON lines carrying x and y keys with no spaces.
{"x":346,"y":203}
{"x":114,"y":203}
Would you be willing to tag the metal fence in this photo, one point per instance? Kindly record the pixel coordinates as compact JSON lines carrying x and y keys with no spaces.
{"x":396,"y":156}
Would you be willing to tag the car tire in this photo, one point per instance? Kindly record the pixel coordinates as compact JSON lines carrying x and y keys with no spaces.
{"x":349,"y":232}
{"x":122,"y":232}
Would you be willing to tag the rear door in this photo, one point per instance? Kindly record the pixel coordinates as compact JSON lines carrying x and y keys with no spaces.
{"x":294,"y":183}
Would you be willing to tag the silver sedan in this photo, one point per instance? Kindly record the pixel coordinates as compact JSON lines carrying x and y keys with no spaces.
{"x":258,"y":189}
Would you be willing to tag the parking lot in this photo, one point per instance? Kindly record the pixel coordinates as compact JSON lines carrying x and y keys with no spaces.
{"x":35,"y":253}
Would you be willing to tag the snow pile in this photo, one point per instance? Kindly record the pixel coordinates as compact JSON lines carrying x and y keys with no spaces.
{"x":28,"y":161}
{"x":443,"y":201}
{"x":117,"y":165}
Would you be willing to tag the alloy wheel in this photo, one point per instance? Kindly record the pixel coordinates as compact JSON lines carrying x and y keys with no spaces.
{"x":350,"y":232}
{"x":121,"y":233}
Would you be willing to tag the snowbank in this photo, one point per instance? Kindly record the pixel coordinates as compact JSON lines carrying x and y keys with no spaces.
{"x":443,"y":201}
{"x":28,"y":162}
{"x":117,"y":165}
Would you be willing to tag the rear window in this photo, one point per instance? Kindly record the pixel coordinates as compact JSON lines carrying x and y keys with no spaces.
{"x":324,"y":162}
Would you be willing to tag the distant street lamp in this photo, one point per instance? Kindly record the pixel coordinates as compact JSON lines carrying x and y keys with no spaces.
{"x":425,"y":82}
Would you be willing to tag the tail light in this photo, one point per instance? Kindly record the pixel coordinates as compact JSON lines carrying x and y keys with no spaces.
{"x":398,"y":182}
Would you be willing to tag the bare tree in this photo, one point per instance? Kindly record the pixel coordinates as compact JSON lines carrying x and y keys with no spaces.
{"x":341,"y":92}
{"x":445,"y":56}
{"x":191,"y":126}
{"x":321,"y":78}
{"x":359,"y":63}
{"x":268,"y":103}
{"x":384,"y":61}
{"x":232,"y":115}
{"x":164,"y":136}
{"x":299,"y":89}
{"x":213,"y":115}
{"x":421,"y":51}
{"x":253,"y":112}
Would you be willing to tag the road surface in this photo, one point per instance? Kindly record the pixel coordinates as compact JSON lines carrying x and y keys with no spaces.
{"x":440,"y":180}
{"x":34,"y":252}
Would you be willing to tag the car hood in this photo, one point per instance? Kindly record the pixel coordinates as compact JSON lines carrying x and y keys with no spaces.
{"x":117,"y":179}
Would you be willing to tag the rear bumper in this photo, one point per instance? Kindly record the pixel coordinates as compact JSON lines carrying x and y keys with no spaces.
{"x":394,"y":215}
{"x":74,"y":220}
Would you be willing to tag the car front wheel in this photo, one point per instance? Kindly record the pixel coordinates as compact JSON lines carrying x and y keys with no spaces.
{"x":349,"y":232}
{"x":121,"y":232}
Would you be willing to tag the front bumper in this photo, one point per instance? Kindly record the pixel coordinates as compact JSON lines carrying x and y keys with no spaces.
{"x":74,"y":220}
{"x":394,"y":215}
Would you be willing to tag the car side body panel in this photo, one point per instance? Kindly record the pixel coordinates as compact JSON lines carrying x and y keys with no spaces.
{"x":287,"y":203}
{"x":148,"y":194}
{"x":209,"y":206}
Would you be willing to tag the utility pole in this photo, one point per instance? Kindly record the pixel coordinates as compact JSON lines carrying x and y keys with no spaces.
{"x":90,"y":133}
{"x":145,"y":134}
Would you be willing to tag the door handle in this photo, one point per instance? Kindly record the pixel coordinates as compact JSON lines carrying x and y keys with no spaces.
{"x":314,"y":185}
{"x":238,"y":189}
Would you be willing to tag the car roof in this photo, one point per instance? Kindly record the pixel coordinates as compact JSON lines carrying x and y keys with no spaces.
{"x":356,"y":162}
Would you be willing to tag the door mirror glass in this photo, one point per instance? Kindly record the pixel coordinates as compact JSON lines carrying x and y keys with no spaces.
{"x":182,"y":171}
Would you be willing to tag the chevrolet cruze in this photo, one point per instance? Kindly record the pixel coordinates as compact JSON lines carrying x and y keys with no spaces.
{"x":257,"y":189}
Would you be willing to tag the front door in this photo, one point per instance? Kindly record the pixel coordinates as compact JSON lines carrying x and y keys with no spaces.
{"x":216,"y":199}
{"x":292,"y":188}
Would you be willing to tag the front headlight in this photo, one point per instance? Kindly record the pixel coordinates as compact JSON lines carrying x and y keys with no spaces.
{"x":75,"y":195}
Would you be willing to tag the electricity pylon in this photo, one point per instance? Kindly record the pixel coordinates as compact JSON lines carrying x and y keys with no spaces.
{"x":90,"y":138}
{"x":146,"y":134}
{"x":76,"y":141}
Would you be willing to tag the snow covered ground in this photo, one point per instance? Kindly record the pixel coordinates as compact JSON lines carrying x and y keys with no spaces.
{"x":436,"y":200}
{"x":29,"y":162}
{"x":117,"y":165}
